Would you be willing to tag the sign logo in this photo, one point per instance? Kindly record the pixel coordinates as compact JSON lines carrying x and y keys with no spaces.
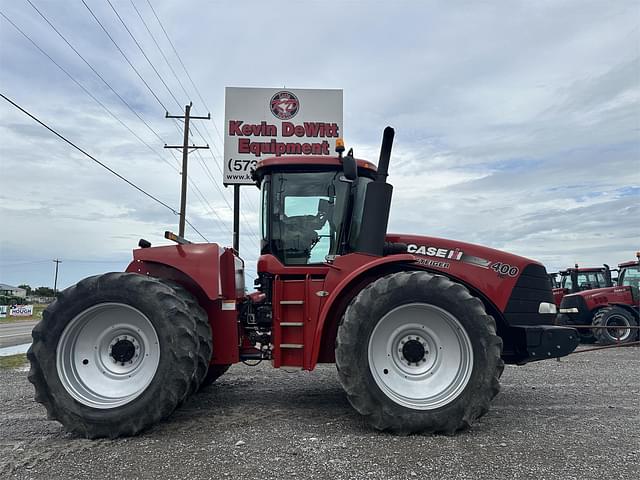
{"x":284,"y":105}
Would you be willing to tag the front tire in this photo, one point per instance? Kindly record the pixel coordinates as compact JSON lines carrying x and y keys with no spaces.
{"x":416,"y":352}
{"x":113,"y":355}
{"x":618,"y":320}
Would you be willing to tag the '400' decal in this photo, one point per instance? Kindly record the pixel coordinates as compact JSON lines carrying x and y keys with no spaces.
{"x":505,"y":269}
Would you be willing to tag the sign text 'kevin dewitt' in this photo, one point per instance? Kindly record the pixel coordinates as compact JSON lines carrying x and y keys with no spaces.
{"x":287,"y":130}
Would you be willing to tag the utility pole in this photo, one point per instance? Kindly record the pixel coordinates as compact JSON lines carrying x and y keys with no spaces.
{"x":185,"y":154}
{"x":236,"y":218}
{"x":55,"y":280}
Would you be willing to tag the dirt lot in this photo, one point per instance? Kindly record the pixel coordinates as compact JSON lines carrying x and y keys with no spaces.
{"x":575,"y":419}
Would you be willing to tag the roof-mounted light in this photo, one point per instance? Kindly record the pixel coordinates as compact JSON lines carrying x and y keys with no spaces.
{"x":339,"y":146}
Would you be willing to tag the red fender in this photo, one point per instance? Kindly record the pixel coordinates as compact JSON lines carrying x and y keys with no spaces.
{"x":200,"y":262}
{"x":358,"y":265}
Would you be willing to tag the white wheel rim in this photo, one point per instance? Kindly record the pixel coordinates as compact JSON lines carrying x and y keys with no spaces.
{"x":420,"y":356}
{"x":107,"y":355}
{"x":616,"y":328}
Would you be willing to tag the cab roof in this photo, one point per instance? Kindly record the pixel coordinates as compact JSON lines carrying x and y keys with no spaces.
{"x":582,"y":270}
{"x":629,"y":264}
{"x":305,"y":160}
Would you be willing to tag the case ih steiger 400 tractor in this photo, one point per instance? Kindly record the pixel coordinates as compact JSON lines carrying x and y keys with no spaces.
{"x":615,"y":307}
{"x":418,"y":327}
{"x":577,"y":279}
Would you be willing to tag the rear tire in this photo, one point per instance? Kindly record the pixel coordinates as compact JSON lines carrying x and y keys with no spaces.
{"x":113,"y":355}
{"x":417,"y":352}
{"x":617,"y":318}
{"x":203,"y":331}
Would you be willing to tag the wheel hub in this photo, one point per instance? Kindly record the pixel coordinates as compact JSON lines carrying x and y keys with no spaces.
{"x":124,"y":349}
{"x":414,"y":350}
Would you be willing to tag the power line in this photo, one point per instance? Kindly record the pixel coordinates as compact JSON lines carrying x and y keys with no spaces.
{"x":73,"y":79}
{"x":99,"y":75}
{"x":159,"y":49}
{"x":196,"y":230}
{"x":125,"y":57}
{"x":216,"y":161}
{"x":139,"y":75}
{"x":184,"y":68}
{"x":178,"y":56}
{"x":143,"y":52}
{"x":249,"y":229}
{"x":106,"y":167}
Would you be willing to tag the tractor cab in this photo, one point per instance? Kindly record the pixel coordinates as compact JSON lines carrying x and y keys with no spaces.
{"x":578,"y":279}
{"x":310,"y":211}
{"x":629,"y":276}
{"x":315,"y":208}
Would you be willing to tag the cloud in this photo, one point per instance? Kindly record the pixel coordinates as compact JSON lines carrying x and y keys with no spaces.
{"x":517,"y":123}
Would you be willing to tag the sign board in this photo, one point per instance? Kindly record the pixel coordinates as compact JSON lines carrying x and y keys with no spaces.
{"x":21,"y":311}
{"x":272,"y":122}
{"x":3,"y":311}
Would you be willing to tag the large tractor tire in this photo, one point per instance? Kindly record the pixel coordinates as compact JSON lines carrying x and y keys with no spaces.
{"x":417,"y":352}
{"x":619,"y":320}
{"x":203,"y":331}
{"x":113,"y":355}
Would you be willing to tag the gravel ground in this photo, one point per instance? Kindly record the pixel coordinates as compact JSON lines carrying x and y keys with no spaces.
{"x":574,"y":419}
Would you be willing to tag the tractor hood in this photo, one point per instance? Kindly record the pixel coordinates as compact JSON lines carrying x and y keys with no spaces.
{"x":598,"y":297}
{"x":451,"y":251}
{"x":493,"y":272}
{"x":597,"y":291}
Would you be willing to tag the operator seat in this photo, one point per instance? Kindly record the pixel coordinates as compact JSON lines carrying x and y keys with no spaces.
{"x":301,"y":233}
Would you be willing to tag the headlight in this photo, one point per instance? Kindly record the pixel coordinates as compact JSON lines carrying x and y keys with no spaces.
{"x":546,"y":307}
{"x":569,"y":310}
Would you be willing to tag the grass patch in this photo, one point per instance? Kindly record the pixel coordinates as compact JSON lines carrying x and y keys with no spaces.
{"x":38,"y":308}
{"x":13,"y":361}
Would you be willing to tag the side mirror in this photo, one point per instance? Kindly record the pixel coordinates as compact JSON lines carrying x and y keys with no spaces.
{"x":350,"y":167}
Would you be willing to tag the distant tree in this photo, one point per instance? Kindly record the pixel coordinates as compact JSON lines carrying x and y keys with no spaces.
{"x":43,"y":292}
{"x":26,"y":287}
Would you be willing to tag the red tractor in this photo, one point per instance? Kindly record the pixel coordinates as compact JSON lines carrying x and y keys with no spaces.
{"x":419,"y":327}
{"x":617,"y":307}
{"x":578,"y":279}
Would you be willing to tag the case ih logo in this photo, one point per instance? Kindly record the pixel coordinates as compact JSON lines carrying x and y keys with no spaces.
{"x":284,"y":105}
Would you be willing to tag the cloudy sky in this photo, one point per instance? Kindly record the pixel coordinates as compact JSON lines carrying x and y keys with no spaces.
{"x":517,"y":123}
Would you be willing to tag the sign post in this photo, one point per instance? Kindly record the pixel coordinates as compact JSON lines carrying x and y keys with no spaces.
{"x":273,"y":122}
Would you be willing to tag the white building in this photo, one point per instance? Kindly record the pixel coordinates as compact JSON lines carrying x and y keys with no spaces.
{"x":10,"y":291}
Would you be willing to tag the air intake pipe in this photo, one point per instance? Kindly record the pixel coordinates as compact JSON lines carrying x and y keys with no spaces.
{"x":377,"y":203}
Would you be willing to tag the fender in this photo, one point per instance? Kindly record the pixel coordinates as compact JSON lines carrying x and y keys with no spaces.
{"x":200,"y":262}
{"x":628,"y":308}
{"x":359,"y":265}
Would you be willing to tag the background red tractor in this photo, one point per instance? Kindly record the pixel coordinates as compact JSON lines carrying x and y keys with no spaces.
{"x":616,"y":307}
{"x":578,"y":279}
{"x":419,"y":327}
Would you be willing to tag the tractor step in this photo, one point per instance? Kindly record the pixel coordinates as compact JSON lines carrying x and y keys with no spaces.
{"x":292,"y":324}
{"x":291,"y":345}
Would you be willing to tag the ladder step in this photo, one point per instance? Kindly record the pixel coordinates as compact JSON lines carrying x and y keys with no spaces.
{"x":291,"y":302}
{"x":291,"y":345}
{"x":292,"y":324}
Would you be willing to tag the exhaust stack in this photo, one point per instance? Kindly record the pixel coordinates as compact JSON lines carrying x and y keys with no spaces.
{"x":377,"y":203}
